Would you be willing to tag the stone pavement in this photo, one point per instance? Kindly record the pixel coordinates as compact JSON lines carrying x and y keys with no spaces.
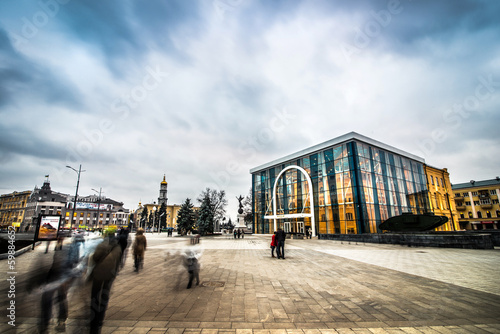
{"x":323,"y":286}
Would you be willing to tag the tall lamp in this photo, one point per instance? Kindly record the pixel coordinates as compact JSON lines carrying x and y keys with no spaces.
{"x":79,"y":171}
{"x":98,"y":205}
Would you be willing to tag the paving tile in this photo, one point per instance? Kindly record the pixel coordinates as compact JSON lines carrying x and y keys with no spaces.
{"x":322,"y":287}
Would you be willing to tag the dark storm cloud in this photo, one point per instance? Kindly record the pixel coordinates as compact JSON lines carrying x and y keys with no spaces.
{"x":442,"y":19}
{"x":14,"y":141}
{"x":20,"y":76}
{"x":401,"y":25}
{"x":126,"y":32}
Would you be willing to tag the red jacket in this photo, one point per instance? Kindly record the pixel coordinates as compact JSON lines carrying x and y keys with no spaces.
{"x":273,"y":240}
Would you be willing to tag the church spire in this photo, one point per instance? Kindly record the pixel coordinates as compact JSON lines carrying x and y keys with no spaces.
{"x":163,"y":192}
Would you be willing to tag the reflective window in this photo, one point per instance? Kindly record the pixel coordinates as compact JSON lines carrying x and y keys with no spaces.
{"x":388,"y":185}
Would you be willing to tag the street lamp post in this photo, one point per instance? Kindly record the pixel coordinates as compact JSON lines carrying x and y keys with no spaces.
{"x":154,"y":218}
{"x":98,"y":205}
{"x":159,"y":222}
{"x":79,"y":171}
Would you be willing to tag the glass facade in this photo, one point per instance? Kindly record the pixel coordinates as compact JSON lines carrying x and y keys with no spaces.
{"x":356,"y":186}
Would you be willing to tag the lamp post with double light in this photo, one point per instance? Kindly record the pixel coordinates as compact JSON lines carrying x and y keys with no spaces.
{"x":78,"y":172}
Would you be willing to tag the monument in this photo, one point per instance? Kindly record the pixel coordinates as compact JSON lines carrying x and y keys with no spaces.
{"x":240,"y":217}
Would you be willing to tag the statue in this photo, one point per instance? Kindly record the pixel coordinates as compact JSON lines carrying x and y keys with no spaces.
{"x":240,"y":210}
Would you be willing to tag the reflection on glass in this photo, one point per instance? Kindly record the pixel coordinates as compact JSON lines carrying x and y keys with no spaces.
{"x":388,"y":185}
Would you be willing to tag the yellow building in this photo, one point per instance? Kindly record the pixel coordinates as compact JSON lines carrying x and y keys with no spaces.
{"x":441,"y":197}
{"x":477,"y":204}
{"x":150,"y":221}
{"x":13,"y":208}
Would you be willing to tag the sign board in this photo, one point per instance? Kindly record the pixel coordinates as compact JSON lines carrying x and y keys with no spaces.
{"x":92,"y":206}
{"x":47,"y":227}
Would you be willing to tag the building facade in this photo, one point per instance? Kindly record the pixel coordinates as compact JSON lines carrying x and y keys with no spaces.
{"x":150,"y":220}
{"x":349,"y":184}
{"x":441,"y":197}
{"x":95,"y":212}
{"x":43,"y":201}
{"x":12,"y":209}
{"x":477,"y":204}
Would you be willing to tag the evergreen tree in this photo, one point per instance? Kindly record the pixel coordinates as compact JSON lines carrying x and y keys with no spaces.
{"x":218,"y":203}
{"x":162,"y":214}
{"x":185,"y":217}
{"x":205,"y":217}
{"x":144,"y":217}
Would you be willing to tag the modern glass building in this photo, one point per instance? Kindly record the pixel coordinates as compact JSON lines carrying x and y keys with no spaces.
{"x":349,"y":184}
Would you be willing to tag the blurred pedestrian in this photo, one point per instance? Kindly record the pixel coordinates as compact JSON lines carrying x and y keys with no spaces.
{"x":52,"y":281}
{"x":123,"y":241}
{"x":138,"y":248}
{"x":239,"y":233}
{"x":273,"y":244}
{"x":192,"y":264}
{"x":235,"y":233}
{"x":106,"y":259}
{"x":280,"y":240}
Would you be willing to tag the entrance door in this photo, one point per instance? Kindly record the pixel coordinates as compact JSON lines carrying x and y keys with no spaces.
{"x":300,"y":227}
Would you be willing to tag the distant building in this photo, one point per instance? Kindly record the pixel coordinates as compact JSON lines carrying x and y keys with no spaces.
{"x":95,"y":212}
{"x":43,"y":201}
{"x":150,"y":220}
{"x":13,"y":208}
{"x":441,"y":197}
{"x":349,"y":184}
{"x":477,"y":204}
{"x":163,"y":192}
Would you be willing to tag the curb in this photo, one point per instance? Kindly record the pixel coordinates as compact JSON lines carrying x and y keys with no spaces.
{"x":19,"y":252}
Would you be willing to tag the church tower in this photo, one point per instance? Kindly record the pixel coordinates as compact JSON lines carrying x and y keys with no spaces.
{"x":163,"y":192}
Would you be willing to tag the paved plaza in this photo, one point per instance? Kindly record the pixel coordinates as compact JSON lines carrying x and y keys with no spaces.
{"x":323,"y":286}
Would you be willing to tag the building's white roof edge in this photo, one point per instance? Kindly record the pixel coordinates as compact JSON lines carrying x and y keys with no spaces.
{"x":335,"y":141}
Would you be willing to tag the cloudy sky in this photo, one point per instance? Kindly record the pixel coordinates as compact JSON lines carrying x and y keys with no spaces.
{"x":202,"y":91}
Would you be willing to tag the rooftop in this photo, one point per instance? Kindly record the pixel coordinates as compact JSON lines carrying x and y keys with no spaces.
{"x":336,"y":141}
{"x":474,"y":184}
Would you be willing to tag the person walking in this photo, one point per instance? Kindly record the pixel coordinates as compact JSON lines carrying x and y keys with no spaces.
{"x":123,"y":241}
{"x":139,"y":247}
{"x":280,"y":240}
{"x":54,"y":281}
{"x":273,"y":244}
{"x":106,"y":260}
{"x":192,"y":264}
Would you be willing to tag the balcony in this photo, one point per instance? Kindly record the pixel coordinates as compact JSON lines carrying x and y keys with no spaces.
{"x":486,"y":206}
{"x":459,"y":198}
{"x":461,"y":207}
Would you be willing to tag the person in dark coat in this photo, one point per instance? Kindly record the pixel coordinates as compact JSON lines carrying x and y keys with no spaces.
{"x":139,"y":247}
{"x":280,"y":240}
{"x":55,"y":281}
{"x":106,"y":258}
{"x":123,"y":241}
